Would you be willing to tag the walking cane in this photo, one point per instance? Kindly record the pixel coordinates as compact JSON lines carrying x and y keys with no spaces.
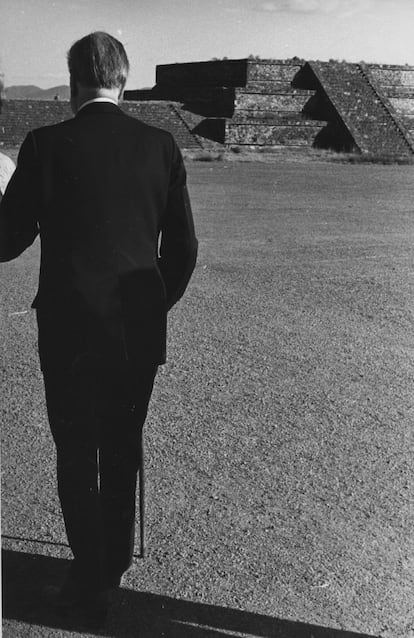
{"x":142,"y":496}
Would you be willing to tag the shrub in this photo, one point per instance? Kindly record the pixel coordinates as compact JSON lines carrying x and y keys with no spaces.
{"x":204,"y":156}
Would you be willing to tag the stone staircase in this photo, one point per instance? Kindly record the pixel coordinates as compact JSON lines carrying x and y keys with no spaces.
{"x":364,"y":112}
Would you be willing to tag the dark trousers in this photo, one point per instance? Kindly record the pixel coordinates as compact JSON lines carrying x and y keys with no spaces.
{"x":96,"y":415}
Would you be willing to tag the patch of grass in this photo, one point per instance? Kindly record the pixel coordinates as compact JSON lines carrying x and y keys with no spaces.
{"x":373,"y":158}
{"x":203,"y":156}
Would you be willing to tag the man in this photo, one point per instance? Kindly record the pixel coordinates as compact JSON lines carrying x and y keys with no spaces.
{"x":108,"y":196}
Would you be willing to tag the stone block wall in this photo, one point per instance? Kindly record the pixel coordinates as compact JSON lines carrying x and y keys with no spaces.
{"x":261,"y":134}
{"x":392,"y":76}
{"x":271,"y":71}
{"x":235,"y":96}
{"x":358,"y":113}
{"x":229,"y":73}
{"x":208,"y":101}
{"x":165,"y":115}
{"x":292,"y":101}
{"x":203,"y":74}
{"x":268,"y":111}
{"x":403,"y":105}
{"x":18,"y":117}
{"x":396,"y":85}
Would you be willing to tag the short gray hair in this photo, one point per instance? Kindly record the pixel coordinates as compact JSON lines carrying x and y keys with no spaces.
{"x":98,"y":60}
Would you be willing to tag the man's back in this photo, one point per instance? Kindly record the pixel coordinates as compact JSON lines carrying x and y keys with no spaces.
{"x":103,"y":186}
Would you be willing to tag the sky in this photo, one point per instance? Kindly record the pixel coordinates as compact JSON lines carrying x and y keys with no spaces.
{"x":36,"y":34}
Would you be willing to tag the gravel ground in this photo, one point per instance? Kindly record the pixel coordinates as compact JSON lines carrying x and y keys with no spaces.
{"x":279,"y":438}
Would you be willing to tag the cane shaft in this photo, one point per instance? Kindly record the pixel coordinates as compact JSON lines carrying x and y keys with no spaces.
{"x":142,"y":496}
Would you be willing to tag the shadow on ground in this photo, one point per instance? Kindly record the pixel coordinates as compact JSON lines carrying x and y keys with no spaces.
{"x":25,"y":577}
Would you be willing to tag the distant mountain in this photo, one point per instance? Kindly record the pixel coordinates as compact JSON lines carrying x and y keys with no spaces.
{"x":31,"y":92}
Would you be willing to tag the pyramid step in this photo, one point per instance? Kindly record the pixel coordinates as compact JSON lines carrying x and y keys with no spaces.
{"x":280,"y":118}
{"x":212,"y":73}
{"x":269,"y":87}
{"x":398,"y":92}
{"x":269,"y":135}
{"x":229,"y":73}
{"x":403,"y":105}
{"x":294,"y":101}
{"x":271,"y":70}
{"x":389,"y":75}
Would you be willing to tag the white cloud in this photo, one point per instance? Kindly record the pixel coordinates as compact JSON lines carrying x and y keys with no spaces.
{"x":332,"y":7}
{"x":268,"y":6}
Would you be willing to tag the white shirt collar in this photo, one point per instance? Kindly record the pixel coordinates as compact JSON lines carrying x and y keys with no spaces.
{"x":97,"y":99}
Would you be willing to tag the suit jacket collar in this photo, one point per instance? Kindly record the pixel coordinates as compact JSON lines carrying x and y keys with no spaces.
{"x":99,"y":108}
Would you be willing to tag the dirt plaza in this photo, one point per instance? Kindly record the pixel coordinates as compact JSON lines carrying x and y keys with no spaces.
{"x":279,"y":437}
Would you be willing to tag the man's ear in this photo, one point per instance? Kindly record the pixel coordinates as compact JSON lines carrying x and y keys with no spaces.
{"x":73,"y":95}
{"x":73,"y":87}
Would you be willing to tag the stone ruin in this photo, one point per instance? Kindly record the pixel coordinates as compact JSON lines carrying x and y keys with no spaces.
{"x":260,"y":104}
{"x":367,"y":108}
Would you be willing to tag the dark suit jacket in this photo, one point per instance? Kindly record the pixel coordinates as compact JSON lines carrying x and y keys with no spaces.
{"x":107,"y":193}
